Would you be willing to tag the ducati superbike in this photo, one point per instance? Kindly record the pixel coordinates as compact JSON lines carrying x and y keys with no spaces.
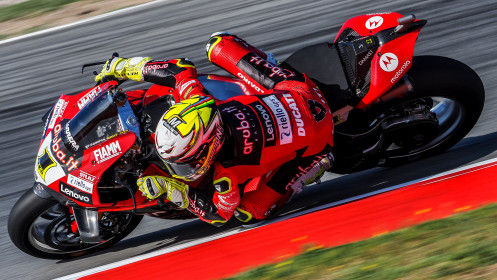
{"x":388,"y":107}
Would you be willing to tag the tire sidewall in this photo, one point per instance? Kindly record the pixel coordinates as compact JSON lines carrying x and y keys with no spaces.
{"x":449,"y":78}
{"x":29,"y":207}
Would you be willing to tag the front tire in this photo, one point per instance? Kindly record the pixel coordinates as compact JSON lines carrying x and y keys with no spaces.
{"x":39,"y":227}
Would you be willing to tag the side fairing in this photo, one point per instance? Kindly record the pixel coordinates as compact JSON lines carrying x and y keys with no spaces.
{"x":366,"y":25}
{"x":387,"y":59}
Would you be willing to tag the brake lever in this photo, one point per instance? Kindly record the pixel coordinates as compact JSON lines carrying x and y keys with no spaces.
{"x":115,"y":54}
{"x":91,"y":64}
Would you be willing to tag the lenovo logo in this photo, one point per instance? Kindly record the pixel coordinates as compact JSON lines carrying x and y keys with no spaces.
{"x":74,"y":194}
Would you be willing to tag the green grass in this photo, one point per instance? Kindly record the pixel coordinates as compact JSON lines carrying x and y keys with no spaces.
{"x":460,"y":247}
{"x":31,"y":8}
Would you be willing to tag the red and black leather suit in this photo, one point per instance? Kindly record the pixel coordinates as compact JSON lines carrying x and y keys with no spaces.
{"x":272,"y":138}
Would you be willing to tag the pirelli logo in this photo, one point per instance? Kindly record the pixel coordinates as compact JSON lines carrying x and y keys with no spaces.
{"x":282,"y":118}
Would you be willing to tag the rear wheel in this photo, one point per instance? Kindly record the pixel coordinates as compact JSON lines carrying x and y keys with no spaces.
{"x":456,"y":97}
{"x":44,"y":228}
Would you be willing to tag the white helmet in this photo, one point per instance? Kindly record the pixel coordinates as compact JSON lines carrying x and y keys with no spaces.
{"x":189,"y":136}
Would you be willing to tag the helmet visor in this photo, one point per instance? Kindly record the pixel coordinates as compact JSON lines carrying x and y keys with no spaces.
{"x":193,"y":168}
{"x":186,"y":171}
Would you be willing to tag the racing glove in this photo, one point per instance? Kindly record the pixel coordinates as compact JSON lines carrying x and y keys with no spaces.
{"x":173,"y":190}
{"x":120,"y":69}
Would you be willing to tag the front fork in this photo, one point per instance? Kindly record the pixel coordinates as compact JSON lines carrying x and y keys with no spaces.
{"x":87,"y":219}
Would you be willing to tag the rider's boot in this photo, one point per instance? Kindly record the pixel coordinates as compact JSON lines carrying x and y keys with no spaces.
{"x":269,"y":196}
{"x":260,"y":204}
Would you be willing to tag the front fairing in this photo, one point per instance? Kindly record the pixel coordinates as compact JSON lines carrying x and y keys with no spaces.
{"x":84,"y":135}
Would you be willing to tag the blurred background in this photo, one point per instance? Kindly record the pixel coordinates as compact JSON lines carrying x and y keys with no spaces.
{"x":40,"y":67}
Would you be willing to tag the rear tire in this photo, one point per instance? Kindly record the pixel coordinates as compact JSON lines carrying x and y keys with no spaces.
{"x":449,"y":79}
{"x":21,"y":227}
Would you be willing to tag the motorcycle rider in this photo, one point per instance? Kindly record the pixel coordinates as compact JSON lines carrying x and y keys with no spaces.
{"x":262,"y":148}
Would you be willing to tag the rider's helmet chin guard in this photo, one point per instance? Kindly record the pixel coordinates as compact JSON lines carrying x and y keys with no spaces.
{"x":189,"y":136}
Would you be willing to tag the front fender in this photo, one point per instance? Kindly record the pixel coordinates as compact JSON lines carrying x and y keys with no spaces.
{"x":40,"y":191}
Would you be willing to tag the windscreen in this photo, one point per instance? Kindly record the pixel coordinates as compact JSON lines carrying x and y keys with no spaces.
{"x":96,"y":122}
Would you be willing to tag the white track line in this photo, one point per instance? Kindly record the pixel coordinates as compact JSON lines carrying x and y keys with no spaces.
{"x":286,"y":217}
{"x":79,"y":22}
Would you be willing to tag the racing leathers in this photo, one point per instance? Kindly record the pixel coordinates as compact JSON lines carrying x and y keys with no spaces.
{"x":276,"y":141}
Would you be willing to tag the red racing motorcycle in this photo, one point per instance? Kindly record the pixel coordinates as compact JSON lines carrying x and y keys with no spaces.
{"x":389,"y":108}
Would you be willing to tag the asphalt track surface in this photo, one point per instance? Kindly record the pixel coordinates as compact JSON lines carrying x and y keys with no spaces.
{"x":37,"y":69}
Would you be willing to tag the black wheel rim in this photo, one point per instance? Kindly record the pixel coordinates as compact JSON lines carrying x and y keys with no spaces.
{"x":51,"y":233}
{"x":450,"y":114}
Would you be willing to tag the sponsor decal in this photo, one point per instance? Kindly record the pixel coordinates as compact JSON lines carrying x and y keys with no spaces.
{"x":45,"y":127}
{"x":282,"y":118}
{"x":401,"y":70}
{"x":244,"y":127}
{"x":98,"y":142}
{"x":107,"y":152}
{"x":228,"y":202}
{"x":218,"y":141}
{"x":377,"y":14}
{"x":374,"y":22}
{"x":43,"y":163}
{"x":275,"y":70}
{"x":172,"y":124}
{"x":75,"y":193}
{"x":318,"y":93}
{"x":153,"y":67}
{"x":87,"y":177}
{"x":296,"y":114}
{"x":302,"y":171}
{"x":132,"y":121}
{"x":61,"y":155}
{"x":112,"y":136}
{"x":196,"y":209}
{"x":250,"y":83}
{"x":317,"y":110}
{"x":389,"y":62}
{"x":89,"y":97}
{"x":70,"y":139}
{"x":267,"y":124}
{"x":80,"y":184}
{"x":58,"y":110}
{"x":366,"y":58}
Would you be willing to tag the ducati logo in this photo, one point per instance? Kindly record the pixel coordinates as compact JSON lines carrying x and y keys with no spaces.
{"x":374,"y":22}
{"x":389,"y":62}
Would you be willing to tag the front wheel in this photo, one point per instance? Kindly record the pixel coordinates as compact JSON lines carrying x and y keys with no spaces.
{"x":44,"y":228}
{"x":456,"y":95}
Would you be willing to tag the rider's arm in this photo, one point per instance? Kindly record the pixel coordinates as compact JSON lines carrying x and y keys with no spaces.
{"x":216,"y":209}
{"x":179,"y":74}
